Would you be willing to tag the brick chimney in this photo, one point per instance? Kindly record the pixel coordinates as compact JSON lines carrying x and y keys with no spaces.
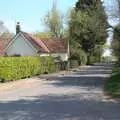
{"x":18,"y":28}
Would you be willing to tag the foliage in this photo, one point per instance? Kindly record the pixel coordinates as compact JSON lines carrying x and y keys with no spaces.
{"x":3,"y":28}
{"x":116,"y":42}
{"x":113,"y":85}
{"x":43,"y":34}
{"x":118,"y":12}
{"x":87,"y":4}
{"x":7,"y":34}
{"x":13,"y":68}
{"x":78,"y":55}
{"x":109,"y":58}
{"x":98,"y":52}
{"x":88,"y":27}
{"x":54,"y":22}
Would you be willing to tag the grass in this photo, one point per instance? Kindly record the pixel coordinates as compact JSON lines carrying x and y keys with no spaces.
{"x":113,"y":85}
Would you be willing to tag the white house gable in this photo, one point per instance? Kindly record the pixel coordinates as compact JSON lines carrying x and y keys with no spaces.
{"x":21,"y":46}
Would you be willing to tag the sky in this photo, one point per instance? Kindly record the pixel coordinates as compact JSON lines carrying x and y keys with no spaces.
{"x":29,"y":12}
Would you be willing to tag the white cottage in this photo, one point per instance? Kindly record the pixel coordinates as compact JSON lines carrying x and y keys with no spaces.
{"x":24,"y":44}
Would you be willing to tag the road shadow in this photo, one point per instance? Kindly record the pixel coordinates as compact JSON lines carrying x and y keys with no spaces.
{"x":94,"y":76}
{"x":82,"y":81}
{"x":59,"y":108}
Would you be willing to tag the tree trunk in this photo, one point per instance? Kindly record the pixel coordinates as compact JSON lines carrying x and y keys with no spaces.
{"x":88,"y":59}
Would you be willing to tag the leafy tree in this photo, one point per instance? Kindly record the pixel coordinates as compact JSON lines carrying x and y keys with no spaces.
{"x":118,"y":13}
{"x":85,"y":5}
{"x":116,"y":42}
{"x":43,"y":34}
{"x":4,"y":32}
{"x":88,"y":25}
{"x":7,"y":34}
{"x":3,"y":28}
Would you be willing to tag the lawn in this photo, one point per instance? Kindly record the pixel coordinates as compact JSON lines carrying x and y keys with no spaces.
{"x":113,"y":85}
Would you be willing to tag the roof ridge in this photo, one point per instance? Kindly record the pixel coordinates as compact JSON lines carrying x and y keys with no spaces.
{"x":45,"y":44}
{"x":55,"y":45}
{"x":36,"y":40}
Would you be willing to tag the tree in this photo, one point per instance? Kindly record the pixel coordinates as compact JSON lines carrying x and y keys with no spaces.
{"x":115,"y":45}
{"x":43,"y":34}
{"x":85,"y":5}
{"x":116,"y":42}
{"x":3,"y":28}
{"x":88,"y":25}
{"x":4,"y":32}
{"x":118,"y":1}
{"x":7,"y":34}
{"x":54,"y":22}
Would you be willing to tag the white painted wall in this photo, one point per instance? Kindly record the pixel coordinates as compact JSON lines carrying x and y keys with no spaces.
{"x":44,"y":54}
{"x":22,"y":47}
{"x":64,"y":56}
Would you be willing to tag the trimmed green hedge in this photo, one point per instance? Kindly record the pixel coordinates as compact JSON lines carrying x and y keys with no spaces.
{"x":13,"y":68}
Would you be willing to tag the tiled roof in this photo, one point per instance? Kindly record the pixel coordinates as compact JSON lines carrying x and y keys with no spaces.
{"x":37,"y":42}
{"x":4,"y":41}
{"x":49,"y":45}
{"x":55,"y":45}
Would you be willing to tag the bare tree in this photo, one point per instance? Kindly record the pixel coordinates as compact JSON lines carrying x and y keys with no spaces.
{"x":118,"y":2}
{"x":54,"y":21}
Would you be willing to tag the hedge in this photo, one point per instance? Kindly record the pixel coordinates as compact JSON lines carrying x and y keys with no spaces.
{"x":13,"y":68}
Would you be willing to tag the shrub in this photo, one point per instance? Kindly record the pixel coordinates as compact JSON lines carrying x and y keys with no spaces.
{"x":92,"y":60}
{"x":80,"y":56}
{"x":13,"y":68}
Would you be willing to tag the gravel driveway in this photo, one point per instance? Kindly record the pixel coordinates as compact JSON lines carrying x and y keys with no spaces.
{"x":77,"y":95}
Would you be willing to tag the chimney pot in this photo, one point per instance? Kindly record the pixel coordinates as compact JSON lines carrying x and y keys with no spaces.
{"x":18,"y":27}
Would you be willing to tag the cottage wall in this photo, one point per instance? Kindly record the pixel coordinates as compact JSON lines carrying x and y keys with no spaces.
{"x":22,"y":47}
{"x":64,"y":56}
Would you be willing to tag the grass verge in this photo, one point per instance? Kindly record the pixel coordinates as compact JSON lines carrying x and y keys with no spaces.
{"x":113,"y":84}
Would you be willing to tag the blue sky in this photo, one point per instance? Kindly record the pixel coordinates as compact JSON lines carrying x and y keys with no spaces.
{"x":29,"y":12}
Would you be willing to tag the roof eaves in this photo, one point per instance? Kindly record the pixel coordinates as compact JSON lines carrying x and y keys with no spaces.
{"x":33,"y":39}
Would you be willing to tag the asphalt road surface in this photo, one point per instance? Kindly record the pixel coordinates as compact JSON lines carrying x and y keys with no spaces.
{"x":77,"y":96}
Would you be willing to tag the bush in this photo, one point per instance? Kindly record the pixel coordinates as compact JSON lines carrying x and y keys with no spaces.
{"x":92,"y":60}
{"x":80,"y":56}
{"x":13,"y":68}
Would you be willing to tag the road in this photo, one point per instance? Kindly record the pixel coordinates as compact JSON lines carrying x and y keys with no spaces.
{"x":76,"y":96}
